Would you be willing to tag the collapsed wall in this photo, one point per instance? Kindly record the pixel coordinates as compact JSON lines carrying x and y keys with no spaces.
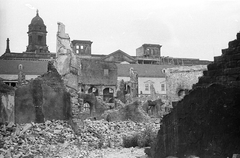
{"x":205,"y":122}
{"x":66,"y":64}
{"x":132,"y":111}
{"x":6,"y":103}
{"x":180,"y":80}
{"x":44,"y":98}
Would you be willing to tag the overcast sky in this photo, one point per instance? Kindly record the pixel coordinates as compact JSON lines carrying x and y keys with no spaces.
{"x":185,"y":29}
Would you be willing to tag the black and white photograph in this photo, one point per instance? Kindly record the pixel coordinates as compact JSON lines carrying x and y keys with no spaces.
{"x":119,"y":79}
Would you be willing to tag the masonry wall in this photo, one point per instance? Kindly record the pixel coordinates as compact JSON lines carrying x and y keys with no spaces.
{"x":205,"y":122}
{"x":44,"y":98}
{"x":182,"y":78}
{"x":226,"y":68}
{"x":6,"y":103}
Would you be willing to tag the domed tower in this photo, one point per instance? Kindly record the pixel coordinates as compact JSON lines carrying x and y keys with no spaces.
{"x":37,"y":36}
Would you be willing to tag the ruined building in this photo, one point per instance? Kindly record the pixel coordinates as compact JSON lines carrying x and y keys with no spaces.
{"x":98,"y":77}
{"x":93,"y":74}
{"x":6,"y":103}
{"x":148,"y":62}
{"x":179,"y":81}
{"x":205,"y":123}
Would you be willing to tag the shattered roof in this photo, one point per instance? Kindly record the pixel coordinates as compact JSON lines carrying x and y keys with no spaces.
{"x":29,"y":67}
{"x":143,"y":70}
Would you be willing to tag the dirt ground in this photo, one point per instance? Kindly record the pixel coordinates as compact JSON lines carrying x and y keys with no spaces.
{"x":119,"y":153}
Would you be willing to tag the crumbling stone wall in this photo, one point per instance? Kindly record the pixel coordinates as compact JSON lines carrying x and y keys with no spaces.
{"x":205,"y":122}
{"x":44,"y":98}
{"x":133,"y":83}
{"x":96,"y":108}
{"x":226,"y":68}
{"x":67,"y":64}
{"x":121,"y":91}
{"x":6,"y":103}
{"x":180,"y":79}
{"x":132,"y":111}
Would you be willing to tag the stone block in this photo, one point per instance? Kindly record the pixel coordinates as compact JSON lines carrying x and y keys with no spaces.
{"x":231,"y":71}
{"x":232,"y":57}
{"x":218,"y":58}
{"x":205,"y":79}
{"x":230,"y":51}
{"x":212,"y":66}
{"x":233,"y":44}
{"x":205,"y":73}
{"x":231,"y":64}
{"x":215,"y":72}
{"x":222,"y":79}
{"x":235,"y":83}
{"x":238,"y":36}
{"x":224,"y":51}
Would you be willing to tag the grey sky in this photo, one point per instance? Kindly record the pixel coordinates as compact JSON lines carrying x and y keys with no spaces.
{"x":187,"y":29}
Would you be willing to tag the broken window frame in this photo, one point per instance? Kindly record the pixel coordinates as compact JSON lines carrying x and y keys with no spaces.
{"x":163,"y":87}
{"x":105,"y":72}
{"x":147,"y":87}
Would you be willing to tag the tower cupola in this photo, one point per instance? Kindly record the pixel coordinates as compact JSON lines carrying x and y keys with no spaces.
{"x":37,"y":34}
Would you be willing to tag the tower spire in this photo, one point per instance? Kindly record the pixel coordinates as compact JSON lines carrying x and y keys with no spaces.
{"x":7,"y":49}
{"x":37,"y":12}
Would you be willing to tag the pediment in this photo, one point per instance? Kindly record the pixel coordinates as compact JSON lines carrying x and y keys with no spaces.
{"x":119,"y":56}
{"x":149,"y":82}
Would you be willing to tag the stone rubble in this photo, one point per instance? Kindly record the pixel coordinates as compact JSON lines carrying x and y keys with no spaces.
{"x":56,"y":138}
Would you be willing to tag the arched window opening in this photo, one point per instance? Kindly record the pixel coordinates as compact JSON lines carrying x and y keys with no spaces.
{"x":86,"y":107}
{"x":20,"y":67}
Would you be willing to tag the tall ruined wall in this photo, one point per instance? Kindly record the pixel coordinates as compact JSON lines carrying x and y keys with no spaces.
{"x":6,"y":103}
{"x":44,"y":98}
{"x":68,"y":67}
{"x":180,"y":79}
{"x":226,"y":68}
{"x":133,"y":83}
{"x":66,"y":62}
{"x":205,"y":122}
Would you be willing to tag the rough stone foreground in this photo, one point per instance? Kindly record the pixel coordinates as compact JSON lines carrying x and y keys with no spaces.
{"x":206,"y":124}
{"x":119,"y":153}
{"x":57,"y":138}
{"x":206,"y":121}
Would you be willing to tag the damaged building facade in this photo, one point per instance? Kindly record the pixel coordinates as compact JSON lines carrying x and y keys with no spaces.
{"x":7,"y":111}
{"x":179,"y":81}
{"x":88,"y":73}
{"x":99,"y":78}
{"x":147,"y":55}
{"x":66,"y":67}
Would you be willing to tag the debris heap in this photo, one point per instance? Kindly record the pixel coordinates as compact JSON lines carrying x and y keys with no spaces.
{"x":57,"y":139}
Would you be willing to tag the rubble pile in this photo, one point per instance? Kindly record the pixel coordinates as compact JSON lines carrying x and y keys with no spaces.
{"x":57,"y":139}
{"x":49,"y":139}
{"x":101,"y":134}
{"x":132,"y":111}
